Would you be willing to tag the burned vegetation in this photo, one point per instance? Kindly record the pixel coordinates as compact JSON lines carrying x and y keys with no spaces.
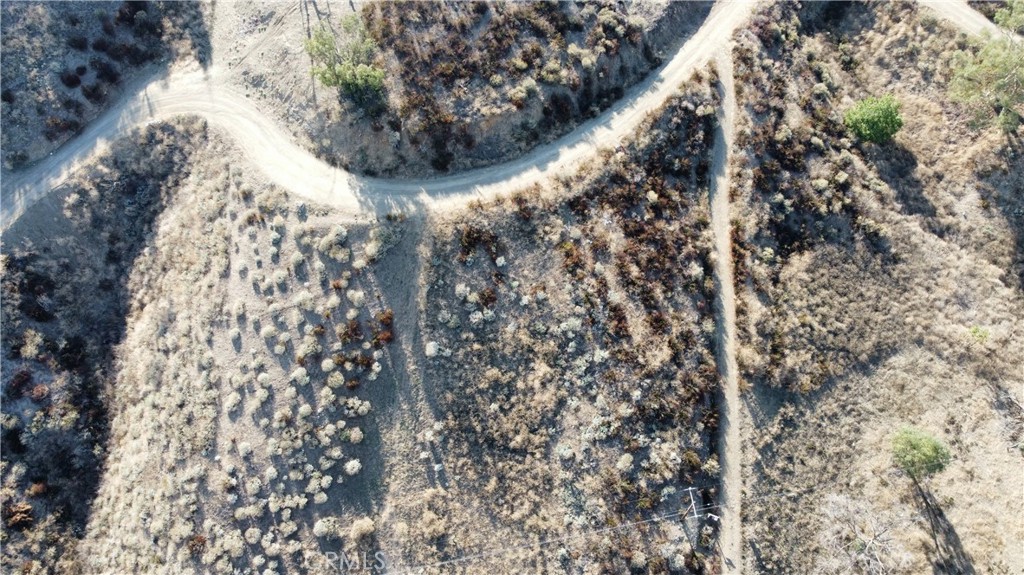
{"x":65,"y":302}
{"x":570,"y":345}
{"x":471,"y":82}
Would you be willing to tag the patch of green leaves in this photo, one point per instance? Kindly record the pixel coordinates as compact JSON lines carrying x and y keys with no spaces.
{"x":348,"y":63}
{"x":875,"y":119}
{"x":919,"y":454}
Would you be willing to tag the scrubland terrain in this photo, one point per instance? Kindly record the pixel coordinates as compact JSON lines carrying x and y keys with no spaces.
{"x":204,"y":373}
{"x":65,"y":62}
{"x":569,"y":361}
{"x":207,"y":342}
{"x":256,"y":401}
{"x":879,"y":287}
{"x":65,"y":300}
{"x":466,"y":84}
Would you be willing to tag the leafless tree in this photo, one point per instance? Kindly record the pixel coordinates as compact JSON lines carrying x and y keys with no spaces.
{"x":859,"y":539}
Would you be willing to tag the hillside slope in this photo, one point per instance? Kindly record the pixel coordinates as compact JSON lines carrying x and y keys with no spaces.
{"x":878,"y":286}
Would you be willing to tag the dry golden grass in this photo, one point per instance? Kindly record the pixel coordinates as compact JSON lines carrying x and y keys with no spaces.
{"x":896,"y":307}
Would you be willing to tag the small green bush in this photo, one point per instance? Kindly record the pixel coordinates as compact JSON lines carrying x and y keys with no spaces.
{"x":919,"y":454}
{"x":875,"y":119}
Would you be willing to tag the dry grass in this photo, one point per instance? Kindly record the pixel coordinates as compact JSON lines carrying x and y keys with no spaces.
{"x":569,"y":359}
{"x":881,"y":300}
{"x":253,"y":376}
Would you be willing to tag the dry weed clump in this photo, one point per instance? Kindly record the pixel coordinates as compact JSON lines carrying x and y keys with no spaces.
{"x":566,"y":354}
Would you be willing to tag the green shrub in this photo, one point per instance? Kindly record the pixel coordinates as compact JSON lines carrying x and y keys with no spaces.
{"x":348,"y":65}
{"x":875,"y":119}
{"x":360,"y":82}
{"x":919,"y":454}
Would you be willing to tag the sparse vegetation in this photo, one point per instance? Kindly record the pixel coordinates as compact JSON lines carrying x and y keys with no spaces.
{"x":101,"y":45}
{"x":201,"y":373}
{"x":839,"y":252}
{"x":234,"y":386}
{"x":469,"y":83}
{"x":60,"y":342}
{"x":581,"y":318}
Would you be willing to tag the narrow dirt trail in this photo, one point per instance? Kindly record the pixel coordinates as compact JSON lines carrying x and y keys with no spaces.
{"x":730,"y":450}
{"x":729,"y":446}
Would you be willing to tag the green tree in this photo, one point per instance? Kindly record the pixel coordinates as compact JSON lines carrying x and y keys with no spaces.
{"x":358,"y":47}
{"x":1012,"y":16}
{"x":989,"y":79}
{"x":918,"y":454}
{"x":348,"y":64}
{"x":990,"y":82}
{"x":323,"y":49}
{"x":875,"y":119}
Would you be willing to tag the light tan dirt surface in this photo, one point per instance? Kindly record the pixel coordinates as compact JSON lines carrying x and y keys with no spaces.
{"x":730,"y":445}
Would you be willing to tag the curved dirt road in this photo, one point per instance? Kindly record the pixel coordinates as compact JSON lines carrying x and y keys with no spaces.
{"x":271,"y":149}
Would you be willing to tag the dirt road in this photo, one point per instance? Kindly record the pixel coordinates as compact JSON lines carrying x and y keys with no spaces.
{"x":729,"y":447}
{"x":267,"y":146}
